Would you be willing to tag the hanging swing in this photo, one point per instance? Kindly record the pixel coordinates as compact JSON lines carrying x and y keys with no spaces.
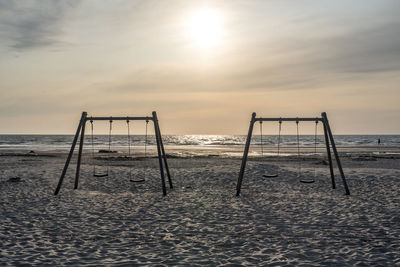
{"x":95,"y":172}
{"x":271,"y":175}
{"x":305,"y":181}
{"x":131,"y":178}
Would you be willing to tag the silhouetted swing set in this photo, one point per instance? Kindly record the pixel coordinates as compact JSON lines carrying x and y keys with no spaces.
{"x":162,"y":158}
{"x":329,"y":142}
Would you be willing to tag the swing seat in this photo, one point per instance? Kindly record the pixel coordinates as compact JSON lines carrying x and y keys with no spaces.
{"x":270,"y":175}
{"x":307,"y":181}
{"x":15,"y":179}
{"x":137,"y":180}
{"x":100,"y":174}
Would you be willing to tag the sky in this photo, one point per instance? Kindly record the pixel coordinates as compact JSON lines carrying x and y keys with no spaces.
{"x":204,"y":66}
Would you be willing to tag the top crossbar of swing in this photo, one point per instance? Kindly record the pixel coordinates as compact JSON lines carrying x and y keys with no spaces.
{"x":119,"y":118}
{"x":288,"y":119}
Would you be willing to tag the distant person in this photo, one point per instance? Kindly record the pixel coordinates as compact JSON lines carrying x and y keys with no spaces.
{"x":379,"y":141}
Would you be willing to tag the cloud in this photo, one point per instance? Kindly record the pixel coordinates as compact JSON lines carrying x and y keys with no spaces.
{"x":309,"y":54}
{"x":301,"y":64}
{"x":376,"y":49}
{"x":32,"y":24}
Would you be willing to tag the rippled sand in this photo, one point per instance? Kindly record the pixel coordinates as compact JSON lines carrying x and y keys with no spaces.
{"x":276,"y":221}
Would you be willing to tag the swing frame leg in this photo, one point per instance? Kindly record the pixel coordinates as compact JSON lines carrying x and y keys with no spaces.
{"x":78,"y":164}
{"x":328,"y":152}
{"x":245,"y":154}
{"x":164,"y":156}
{"x":81,"y":122}
{"x":339,"y":164}
{"x":155,"y":121}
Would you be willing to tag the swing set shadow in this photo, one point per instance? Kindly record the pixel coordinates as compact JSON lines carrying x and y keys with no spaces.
{"x":329,"y":142}
{"x":162,"y":157}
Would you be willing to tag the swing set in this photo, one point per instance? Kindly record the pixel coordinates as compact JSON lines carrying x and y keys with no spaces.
{"x":162,"y":158}
{"x":329,"y":142}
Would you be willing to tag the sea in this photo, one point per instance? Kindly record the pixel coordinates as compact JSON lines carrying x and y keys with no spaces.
{"x":191,"y":145}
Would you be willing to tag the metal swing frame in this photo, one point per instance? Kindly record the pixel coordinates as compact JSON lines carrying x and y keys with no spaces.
{"x":162,"y":157}
{"x":329,"y":142}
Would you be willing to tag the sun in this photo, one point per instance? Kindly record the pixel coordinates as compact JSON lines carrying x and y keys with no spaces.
{"x":204,"y":27}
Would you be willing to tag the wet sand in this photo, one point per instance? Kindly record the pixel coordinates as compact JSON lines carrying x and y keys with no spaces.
{"x":276,"y":221}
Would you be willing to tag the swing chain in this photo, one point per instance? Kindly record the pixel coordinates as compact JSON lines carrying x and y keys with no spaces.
{"x":92,"y":141}
{"x":315,"y":136}
{"x":261,"y":139}
{"x":145,"y":140}
{"x":315,"y":146}
{"x":279,"y":136}
{"x":298,"y":149}
{"x":145,"y":153}
{"x":109,"y":136}
{"x":129,"y":138}
{"x":92,"y":137}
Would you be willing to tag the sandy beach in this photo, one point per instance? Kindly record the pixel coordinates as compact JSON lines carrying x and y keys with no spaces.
{"x":276,"y":221}
{"x":201,"y":84}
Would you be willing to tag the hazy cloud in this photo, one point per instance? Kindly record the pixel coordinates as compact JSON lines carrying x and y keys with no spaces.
{"x":315,"y":62}
{"x":34,"y":23}
{"x":376,"y":49}
{"x":310,"y":53}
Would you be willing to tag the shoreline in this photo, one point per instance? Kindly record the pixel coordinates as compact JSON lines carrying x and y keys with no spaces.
{"x":217,"y":151}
